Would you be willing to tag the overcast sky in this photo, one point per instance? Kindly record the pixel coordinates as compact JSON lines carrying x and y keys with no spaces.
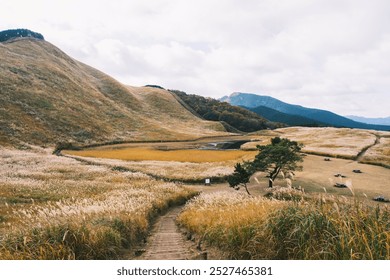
{"x":333,"y":55}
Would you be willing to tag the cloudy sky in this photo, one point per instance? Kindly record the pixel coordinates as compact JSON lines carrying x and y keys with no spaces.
{"x":333,"y":55}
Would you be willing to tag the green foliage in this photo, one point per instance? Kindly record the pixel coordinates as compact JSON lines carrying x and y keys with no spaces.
{"x":214,"y":110}
{"x":16,"y":33}
{"x":281,"y":155}
{"x":154,"y":86}
{"x":240,"y":177}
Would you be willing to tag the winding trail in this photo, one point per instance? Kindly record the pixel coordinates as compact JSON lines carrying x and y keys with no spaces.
{"x":363,"y":152}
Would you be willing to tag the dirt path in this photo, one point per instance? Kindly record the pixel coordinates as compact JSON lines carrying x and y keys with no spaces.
{"x":363,"y":152}
{"x":166,"y":242}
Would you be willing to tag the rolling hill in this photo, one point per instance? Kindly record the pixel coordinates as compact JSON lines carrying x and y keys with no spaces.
{"x":46,"y":97}
{"x":322,"y":116}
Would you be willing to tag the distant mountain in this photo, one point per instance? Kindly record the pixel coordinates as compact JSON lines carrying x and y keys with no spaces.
{"x":47,"y":97}
{"x":380,"y":121}
{"x":252,"y":101}
{"x":234,"y":118}
{"x":292,"y":120}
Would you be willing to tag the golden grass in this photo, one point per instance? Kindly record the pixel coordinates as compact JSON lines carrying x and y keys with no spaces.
{"x":57,"y":208}
{"x":195,"y":156}
{"x":182,"y":171}
{"x":226,"y":220}
{"x":246,"y":227}
{"x":380,"y":153}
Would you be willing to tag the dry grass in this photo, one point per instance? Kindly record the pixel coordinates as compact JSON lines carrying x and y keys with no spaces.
{"x":335,"y":142}
{"x":191,"y":166}
{"x":379,"y":153}
{"x":172,"y":170}
{"x":56,"y":208}
{"x":48,"y":97}
{"x":318,"y":174}
{"x":227,"y":220}
{"x":257,"y":228}
{"x":139,"y":154}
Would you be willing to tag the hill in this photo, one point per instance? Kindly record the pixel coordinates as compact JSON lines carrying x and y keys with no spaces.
{"x":252,"y":101}
{"x":380,"y":121}
{"x":47,"y":97}
{"x":234,"y":118}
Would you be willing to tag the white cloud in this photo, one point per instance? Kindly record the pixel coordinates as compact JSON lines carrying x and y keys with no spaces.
{"x":322,"y":53}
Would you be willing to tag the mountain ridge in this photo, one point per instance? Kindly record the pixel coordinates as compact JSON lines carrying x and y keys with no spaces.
{"x":289,"y":119}
{"x":251,"y":100}
{"x":378,"y":121}
{"x":234,"y":118}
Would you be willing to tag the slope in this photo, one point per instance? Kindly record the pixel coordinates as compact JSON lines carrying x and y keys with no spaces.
{"x":47,"y":97}
{"x":323,"y":116}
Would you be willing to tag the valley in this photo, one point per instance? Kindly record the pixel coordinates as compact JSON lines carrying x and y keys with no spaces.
{"x":88,"y":165}
{"x":190,"y":160}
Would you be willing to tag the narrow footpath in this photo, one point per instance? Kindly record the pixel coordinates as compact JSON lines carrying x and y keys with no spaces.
{"x":166,"y":242}
{"x":360,"y":155}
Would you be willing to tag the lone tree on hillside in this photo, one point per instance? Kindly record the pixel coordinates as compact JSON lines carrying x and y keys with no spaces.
{"x":281,"y":155}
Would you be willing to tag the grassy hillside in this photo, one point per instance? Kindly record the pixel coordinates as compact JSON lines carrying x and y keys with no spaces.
{"x":234,"y":118}
{"x":47,"y":97}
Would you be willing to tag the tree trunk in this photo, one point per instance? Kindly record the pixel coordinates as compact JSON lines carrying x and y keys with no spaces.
{"x":273,"y":175}
{"x":246,"y":188}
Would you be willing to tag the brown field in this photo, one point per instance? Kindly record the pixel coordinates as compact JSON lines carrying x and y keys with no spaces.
{"x":318,"y":174}
{"x":336,"y":142}
{"x":380,"y":153}
{"x":195,"y":156}
{"x":173,"y":170}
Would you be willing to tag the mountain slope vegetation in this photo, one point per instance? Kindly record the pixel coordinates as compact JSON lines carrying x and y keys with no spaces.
{"x":322,"y":116}
{"x":47,"y":97}
{"x":233,"y":117}
{"x":18,"y":33}
{"x":292,"y":120}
